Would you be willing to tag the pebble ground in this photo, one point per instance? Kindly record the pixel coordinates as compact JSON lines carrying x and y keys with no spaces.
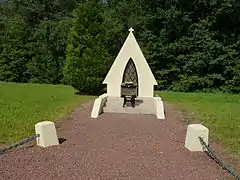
{"x":113,"y":147}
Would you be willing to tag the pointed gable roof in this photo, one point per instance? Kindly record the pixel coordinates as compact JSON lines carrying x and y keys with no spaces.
{"x":130,"y":49}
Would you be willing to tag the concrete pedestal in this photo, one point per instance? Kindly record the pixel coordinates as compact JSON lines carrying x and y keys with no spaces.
{"x":48,"y":134}
{"x":194,"y":131}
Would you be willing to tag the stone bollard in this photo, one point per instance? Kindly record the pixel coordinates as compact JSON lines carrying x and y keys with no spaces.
{"x":194,"y":131}
{"x":48,"y":134}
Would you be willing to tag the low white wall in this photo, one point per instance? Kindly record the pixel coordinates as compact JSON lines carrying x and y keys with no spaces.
{"x":159,"y":107}
{"x":98,"y":105}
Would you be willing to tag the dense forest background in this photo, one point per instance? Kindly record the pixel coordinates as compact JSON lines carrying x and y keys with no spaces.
{"x":189,"y":45}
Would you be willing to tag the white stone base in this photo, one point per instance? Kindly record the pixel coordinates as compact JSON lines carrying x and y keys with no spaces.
{"x":159,"y":108}
{"x":143,"y":105}
{"x":98,"y":105}
{"x":194,"y":131}
{"x":48,"y":134}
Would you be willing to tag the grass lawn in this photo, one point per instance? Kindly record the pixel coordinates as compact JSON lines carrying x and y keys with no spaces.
{"x":23,"y":105}
{"x":219,"y":112}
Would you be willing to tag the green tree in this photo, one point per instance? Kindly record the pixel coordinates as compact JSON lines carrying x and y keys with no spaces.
{"x":87,"y":58}
{"x":49,"y":44}
{"x":33,"y":37}
{"x":189,"y":45}
{"x":14,"y":51}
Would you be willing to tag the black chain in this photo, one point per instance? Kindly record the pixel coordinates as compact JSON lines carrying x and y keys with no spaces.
{"x":20,"y":143}
{"x":217,"y":160}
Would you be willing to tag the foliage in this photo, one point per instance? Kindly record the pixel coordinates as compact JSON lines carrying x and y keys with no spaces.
{"x":37,"y":103}
{"x":14,"y":50}
{"x":87,"y":57}
{"x":190,"y":45}
{"x":33,"y":40}
{"x":49,"y":42}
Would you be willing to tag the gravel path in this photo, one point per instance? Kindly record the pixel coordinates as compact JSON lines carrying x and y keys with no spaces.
{"x":115,"y":146}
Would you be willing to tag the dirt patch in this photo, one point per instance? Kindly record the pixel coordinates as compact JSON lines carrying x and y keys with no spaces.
{"x":114,"y":146}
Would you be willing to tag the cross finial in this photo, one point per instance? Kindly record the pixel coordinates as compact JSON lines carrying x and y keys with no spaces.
{"x":131,"y":29}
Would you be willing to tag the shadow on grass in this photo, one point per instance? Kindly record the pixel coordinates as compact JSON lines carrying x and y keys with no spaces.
{"x":97,"y":92}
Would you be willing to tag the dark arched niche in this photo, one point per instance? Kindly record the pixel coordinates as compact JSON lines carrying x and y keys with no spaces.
{"x":130,"y":72}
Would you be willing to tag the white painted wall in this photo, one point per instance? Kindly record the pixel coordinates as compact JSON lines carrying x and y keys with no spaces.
{"x":146,"y":80}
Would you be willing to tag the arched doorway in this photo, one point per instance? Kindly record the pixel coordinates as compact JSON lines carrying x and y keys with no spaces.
{"x":130,"y":73}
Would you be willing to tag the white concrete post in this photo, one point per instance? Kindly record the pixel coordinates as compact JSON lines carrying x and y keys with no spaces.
{"x":194,"y":131}
{"x":159,"y":107}
{"x":47,"y":134}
